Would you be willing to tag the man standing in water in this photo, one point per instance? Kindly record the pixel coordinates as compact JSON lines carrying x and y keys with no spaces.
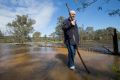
{"x":71,"y":38}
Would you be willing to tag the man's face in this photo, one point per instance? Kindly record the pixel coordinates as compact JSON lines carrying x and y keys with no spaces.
{"x":73,"y":15}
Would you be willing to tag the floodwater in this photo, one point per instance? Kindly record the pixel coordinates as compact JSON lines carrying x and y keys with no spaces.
{"x":32,"y":62}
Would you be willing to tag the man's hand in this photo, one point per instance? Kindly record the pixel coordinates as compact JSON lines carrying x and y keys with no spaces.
{"x":73,"y":22}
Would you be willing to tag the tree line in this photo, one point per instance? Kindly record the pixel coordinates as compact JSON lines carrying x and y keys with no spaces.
{"x":86,"y":34}
{"x":22,"y":26}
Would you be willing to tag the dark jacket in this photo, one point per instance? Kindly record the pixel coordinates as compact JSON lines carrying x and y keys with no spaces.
{"x":71,"y":34}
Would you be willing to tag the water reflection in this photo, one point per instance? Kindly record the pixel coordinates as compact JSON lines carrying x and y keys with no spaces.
{"x":36,"y":62}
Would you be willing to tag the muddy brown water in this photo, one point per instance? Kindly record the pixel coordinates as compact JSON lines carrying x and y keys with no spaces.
{"x":48,"y":63}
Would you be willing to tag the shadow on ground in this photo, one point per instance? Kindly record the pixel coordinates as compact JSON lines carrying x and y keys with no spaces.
{"x":94,"y":73}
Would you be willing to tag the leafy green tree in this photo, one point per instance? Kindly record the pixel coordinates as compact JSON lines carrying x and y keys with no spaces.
{"x":118,"y":35}
{"x":104,"y":34}
{"x":1,"y":34}
{"x":21,"y":27}
{"x":87,"y":34}
{"x":58,"y":29}
{"x":53,"y":36}
{"x":45,"y":38}
{"x":99,"y":34}
{"x":110,"y":30}
{"x":81,"y":33}
{"x":90,"y":33}
{"x":36,"y":36}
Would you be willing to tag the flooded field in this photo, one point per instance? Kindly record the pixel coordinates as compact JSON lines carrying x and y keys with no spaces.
{"x":33,"y":62}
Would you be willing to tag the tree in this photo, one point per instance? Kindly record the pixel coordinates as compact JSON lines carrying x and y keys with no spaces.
{"x":110,"y":30}
{"x":21,"y":27}
{"x":45,"y":39}
{"x":81,"y":33}
{"x":83,"y":4}
{"x":118,"y":35}
{"x":90,"y":33}
{"x":58,"y":29}
{"x":53,"y":35}
{"x":87,"y":34}
{"x":100,"y":34}
{"x":1,"y":34}
{"x":104,"y":34}
{"x":36,"y":36}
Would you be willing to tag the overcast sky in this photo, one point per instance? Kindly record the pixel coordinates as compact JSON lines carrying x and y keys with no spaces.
{"x":46,"y":12}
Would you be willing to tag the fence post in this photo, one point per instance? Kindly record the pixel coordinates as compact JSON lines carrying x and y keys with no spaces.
{"x":115,"y":43}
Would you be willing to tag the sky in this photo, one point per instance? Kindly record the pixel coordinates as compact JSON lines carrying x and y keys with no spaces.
{"x":46,"y":12}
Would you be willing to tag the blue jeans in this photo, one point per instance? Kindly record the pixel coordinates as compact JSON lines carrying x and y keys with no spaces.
{"x":71,"y":54}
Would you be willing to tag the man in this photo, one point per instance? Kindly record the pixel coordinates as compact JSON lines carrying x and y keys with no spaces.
{"x":71,"y":38}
